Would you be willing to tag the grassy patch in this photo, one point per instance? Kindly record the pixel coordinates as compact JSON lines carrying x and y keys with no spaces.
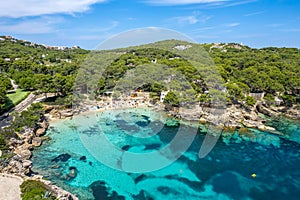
{"x":35,"y":190}
{"x":13,"y":99}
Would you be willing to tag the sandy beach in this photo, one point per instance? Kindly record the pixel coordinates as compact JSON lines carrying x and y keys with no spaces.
{"x":10,"y":187}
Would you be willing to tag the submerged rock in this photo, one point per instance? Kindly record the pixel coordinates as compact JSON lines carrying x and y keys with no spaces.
{"x":102,"y":192}
{"x":202,"y":120}
{"x":269,"y":129}
{"x":63,"y":158}
{"x":152,"y":146}
{"x":167,"y":190}
{"x":73,"y":172}
{"x":251,"y":123}
{"x":140,"y":178}
{"x":126,"y":147}
{"x":82,"y":158}
{"x":172,"y":122}
{"x":237,"y":189}
{"x":143,"y":195}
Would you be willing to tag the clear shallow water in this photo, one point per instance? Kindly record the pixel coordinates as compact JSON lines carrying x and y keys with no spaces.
{"x":224,"y":174}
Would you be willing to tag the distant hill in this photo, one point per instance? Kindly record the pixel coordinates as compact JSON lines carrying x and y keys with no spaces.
{"x":271,"y":71}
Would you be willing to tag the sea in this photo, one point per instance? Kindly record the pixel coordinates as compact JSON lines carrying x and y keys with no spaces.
{"x":138,"y":154}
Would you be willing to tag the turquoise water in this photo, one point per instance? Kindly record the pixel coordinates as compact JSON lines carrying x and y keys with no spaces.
{"x":224,"y":174}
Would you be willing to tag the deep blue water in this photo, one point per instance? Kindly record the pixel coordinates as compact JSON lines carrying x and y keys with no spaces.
{"x":71,"y":160}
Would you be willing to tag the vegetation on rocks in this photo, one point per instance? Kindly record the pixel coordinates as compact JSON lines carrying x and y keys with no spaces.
{"x":35,"y":190}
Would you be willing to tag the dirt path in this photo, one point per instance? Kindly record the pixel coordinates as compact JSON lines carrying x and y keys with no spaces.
{"x":10,"y":187}
{"x":13,"y":83}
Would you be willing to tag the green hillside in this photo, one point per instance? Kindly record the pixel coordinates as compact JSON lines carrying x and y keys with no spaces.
{"x":235,"y":69}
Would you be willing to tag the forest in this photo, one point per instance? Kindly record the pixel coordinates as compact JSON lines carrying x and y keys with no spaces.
{"x":229,"y":72}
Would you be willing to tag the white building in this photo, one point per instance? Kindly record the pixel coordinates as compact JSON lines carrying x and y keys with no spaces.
{"x":163,"y":95}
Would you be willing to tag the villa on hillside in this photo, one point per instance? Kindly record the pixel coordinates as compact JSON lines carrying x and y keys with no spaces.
{"x":257,"y":96}
{"x":163,"y":95}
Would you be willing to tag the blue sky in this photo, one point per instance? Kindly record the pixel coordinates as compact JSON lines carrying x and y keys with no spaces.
{"x":256,"y":23}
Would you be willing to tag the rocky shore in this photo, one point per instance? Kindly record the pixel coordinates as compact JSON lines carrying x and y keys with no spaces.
{"x":237,"y":117}
{"x":20,"y":164}
{"x":232,"y":117}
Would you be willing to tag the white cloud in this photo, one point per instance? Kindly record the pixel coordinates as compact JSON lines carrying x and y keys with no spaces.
{"x":21,"y":8}
{"x":186,"y":19}
{"x":274,"y":25}
{"x":32,"y":26}
{"x":254,"y":13}
{"x":194,"y":4}
{"x":190,"y":19}
{"x":182,"y":2}
{"x":206,"y":28}
{"x":232,"y":24}
{"x":291,"y":30}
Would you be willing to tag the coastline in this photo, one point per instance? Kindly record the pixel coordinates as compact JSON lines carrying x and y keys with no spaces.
{"x":232,"y":117}
{"x":102,"y":110}
{"x":20,"y":165}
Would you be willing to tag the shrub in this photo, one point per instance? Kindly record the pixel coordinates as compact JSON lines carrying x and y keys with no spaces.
{"x":35,"y":190}
{"x":270,"y":98}
{"x":250,"y":101}
{"x":289,"y":100}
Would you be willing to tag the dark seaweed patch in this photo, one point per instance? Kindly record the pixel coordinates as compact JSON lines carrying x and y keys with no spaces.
{"x":166,"y":190}
{"x":126,"y":147}
{"x":227,"y":183}
{"x":62,"y":158}
{"x":93,"y":130}
{"x":145,"y":117}
{"x":143,"y":195}
{"x":101,"y":192}
{"x":122,"y":124}
{"x":152,"y":146}
{"x":82,"y":158}
{"x":140,"y":178}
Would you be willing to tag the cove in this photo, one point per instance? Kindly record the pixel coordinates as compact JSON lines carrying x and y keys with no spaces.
{"x":226,"y":173}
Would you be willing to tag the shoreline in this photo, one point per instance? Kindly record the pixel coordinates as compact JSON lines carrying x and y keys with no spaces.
{"x":23,"y":149}
{"x":235,"y":122}
{"x":232,"y":117}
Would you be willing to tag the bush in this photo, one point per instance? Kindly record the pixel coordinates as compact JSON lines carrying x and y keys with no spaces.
{"x":3,"y":144}
{"x":250,"y":101}
{"x":35,"y":190}
{"x":171,"y":99}
{"x":270,"y":98}
{"x":28,"y":118}
{"x":289,"y":100}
